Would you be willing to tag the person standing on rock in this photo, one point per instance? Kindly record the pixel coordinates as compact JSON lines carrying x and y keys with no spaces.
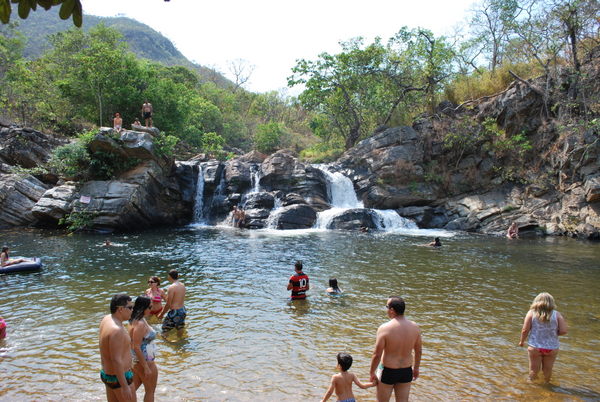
{"x":298,"y":283}
{"x":115,"y":354}
{"x":147,"y":111}
{"x":174,"y":308}
{"x":396,"y":341}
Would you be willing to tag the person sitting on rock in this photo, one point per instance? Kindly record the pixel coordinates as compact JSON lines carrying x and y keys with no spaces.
{"x":136,"y":122}
{"x":513,"y":231}
{"x":118,"y":123}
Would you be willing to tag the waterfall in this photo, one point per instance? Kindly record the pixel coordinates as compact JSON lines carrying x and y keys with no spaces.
{"x":255,"y":181}
{"x":343,"y":197}
{"x":199,"y":198}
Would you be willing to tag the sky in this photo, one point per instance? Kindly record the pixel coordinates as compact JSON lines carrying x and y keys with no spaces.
{"x":270,"y":35}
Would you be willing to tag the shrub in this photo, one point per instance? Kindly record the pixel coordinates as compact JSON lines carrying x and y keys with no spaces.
{"x":323,"y":152}
{"x":71,"y":160}
{"x":165,"y":145}
{"x":268,"y":136}
{"x":78,"y":220}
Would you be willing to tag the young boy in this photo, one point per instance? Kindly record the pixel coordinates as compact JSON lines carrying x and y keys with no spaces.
{"x":342,"y":382}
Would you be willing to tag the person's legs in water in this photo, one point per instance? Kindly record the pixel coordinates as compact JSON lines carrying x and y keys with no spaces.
{"x":384,"y":391}
{"x":548,"y":363}
{"x":402,"y":390}
{"x":535,"y":362}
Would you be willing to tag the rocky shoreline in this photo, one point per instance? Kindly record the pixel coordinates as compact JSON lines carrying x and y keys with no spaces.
{"x":549,"y":188}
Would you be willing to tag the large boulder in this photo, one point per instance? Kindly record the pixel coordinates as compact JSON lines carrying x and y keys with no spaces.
{"x":283,"y":172}
{"x":592,"y":188}
{"x":55,"y":204}
{"x":262,"y":200}
{"x":294,"y":217}
{"x":141,"y":198}
{"x":237,"y":176}
{"x":26,"y":147}
{"x":256,"y":218}
{"x":18,"y":195}
{"x":354,"y":219}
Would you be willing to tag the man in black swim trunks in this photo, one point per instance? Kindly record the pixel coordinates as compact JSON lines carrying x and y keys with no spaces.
{"x":395,"y":343}
{"x":115,"y":351}
{"x":147,"y":112}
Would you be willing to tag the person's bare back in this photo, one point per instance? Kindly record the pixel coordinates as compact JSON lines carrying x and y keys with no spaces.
{"x":400,"y":336}
{"x":396,"y":341}
{"x":176,"y":295}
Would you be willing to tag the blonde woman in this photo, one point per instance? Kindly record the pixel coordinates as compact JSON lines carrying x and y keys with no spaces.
{"x":544,"y":325}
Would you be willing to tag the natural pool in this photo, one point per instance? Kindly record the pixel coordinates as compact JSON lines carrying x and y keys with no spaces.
{"x":246,"y":341}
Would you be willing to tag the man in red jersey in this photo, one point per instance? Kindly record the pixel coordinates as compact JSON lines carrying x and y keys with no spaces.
{"x":298,"y":283}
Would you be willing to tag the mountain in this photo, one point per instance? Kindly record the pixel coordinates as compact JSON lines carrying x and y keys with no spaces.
{"x":143,"y":41}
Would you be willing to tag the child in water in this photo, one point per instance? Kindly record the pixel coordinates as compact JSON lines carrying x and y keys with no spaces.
{"x":342,"y":383}
{"x":333,"y":288}
{"x":2,"y":328}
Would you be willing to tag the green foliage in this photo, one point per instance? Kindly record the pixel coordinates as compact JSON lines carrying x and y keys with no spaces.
{"x":503,"y":144}
{"x":68,"y":8}
{"x":268,"y":137}
{"x":322,"y":152}
{"x":106,"y":166}
{"x":78,"y":220}
{"x":212,"y":142}
{"x":70,"y":160}
{"x":363,"y":86}
{"x":164,"y":144}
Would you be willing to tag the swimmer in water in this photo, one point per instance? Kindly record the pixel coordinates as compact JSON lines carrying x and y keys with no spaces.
{"x":435,"y":243}
{"x":333,"y":288}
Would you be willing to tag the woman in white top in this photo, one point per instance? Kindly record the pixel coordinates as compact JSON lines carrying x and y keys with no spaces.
{"x":544,"y":325}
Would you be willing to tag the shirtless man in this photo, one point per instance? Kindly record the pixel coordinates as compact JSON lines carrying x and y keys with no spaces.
{"x":147,"y":112}
{"x":176,"y":310}
{"x":118,"y":122}
{"x":115,"y":351}
{"x":395,"y":343}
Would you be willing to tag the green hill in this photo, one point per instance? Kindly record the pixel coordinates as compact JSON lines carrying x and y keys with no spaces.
{"x":144,"y":41}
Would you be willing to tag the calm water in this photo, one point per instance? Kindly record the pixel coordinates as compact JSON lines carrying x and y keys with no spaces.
{"x":245,"y":340}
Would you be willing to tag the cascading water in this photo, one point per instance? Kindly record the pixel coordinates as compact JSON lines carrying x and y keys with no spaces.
{"x":199,"y":198}
{"x":343,"y":197}
{"x":255,"y":181}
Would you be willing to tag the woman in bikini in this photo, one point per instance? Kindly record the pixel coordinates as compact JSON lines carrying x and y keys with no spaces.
{"x":156,"y":294}
{"x":5,"y":260}
{"x":142,"y":336}
{"x":544,"y":325}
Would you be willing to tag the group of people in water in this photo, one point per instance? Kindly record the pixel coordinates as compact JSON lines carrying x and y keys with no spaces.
{"x":128,"y":355}
{"x":147,"y":111}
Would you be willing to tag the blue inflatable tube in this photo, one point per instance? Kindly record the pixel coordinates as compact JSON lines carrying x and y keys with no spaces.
{"x":28,"y":266}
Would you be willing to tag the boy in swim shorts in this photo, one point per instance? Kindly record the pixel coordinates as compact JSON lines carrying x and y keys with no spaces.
{"x":342,"y":382}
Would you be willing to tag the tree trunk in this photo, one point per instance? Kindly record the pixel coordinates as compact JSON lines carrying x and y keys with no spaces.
{"x":352,"y":137}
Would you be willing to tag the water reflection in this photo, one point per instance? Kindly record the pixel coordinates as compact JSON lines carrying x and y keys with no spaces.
{"x":246,"y":341}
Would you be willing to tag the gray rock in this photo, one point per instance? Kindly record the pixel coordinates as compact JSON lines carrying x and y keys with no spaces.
{"x":294,"y":217}
{"x":55,"y":204}
{"x":18,"y":195}
{"x":262,"y":200}
{"x":237,"y":175}
{"x":138,"y":145}
{"x":354,"y":219}
{"x":592,"y":188}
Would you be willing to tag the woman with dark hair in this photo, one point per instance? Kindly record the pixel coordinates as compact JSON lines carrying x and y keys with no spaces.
{"x":333,"y":288}
{"x":143,"y":350}
{"x":5,"y":261}
{"x":156,"y":294}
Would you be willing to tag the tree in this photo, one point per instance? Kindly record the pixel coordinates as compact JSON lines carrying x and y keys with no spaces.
{"x":490,"y":26}
{"x":68,"y":8}
{"x":268,"y":137}
{"x":363,"y":87}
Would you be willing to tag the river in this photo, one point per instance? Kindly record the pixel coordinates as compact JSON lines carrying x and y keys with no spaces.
{"x":246,"y":341}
